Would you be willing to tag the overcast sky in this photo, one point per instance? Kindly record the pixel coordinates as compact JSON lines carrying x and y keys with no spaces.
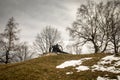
{"x":34,"y":15}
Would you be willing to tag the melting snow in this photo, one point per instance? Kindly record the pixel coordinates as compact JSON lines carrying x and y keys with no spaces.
{"x":103,"y":78}
{"x":106,"y":78}
{"x":108,"y":60}
{"x":105,"y":68}
{"x":72,"y":63}
{"x":82,"y":68}
{"x":118,"y":77}
{"x":69,"y":73}
{"x":108,"y":63}
{"x":117,"y":63}
{"x":69,"y":63}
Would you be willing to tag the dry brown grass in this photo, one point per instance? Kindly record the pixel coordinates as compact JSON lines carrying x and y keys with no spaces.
{"x":44,"y":68}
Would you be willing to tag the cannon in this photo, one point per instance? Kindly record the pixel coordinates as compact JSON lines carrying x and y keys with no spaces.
{"x":57,"y":48}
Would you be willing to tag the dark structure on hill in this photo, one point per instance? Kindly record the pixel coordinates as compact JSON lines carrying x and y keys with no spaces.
{"x":57,"y":49}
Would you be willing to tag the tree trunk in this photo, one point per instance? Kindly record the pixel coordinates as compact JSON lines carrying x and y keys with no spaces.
{"x":9,"y":48}
{"x":115,"y":50}
{"x":115,"y":46}
{"x":95,"y":47}
{"x":104,"y":48}
{"x":7,"y":56}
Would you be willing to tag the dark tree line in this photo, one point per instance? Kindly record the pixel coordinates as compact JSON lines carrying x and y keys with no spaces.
{"x":98,"y":23}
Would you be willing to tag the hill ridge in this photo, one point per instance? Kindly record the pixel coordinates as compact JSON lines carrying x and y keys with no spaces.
{"x":44,"y":68}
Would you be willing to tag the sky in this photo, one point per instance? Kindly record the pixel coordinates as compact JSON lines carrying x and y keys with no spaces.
{"x":34,"y":15}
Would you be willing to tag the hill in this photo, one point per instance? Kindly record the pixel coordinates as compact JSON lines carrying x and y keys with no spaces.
{"x":64,"y":67}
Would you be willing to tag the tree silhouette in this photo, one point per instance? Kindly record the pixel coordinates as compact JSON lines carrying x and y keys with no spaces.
{"x":48,"y":37}
{"x":11,"y":35}
{"x":97,"y":23}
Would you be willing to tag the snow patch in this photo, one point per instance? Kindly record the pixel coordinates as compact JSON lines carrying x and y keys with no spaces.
{"x":118,"y":77}
{"x":101,"y":65}
{"x":108,"y":63}
{"x":72,"y":63}
{"x":107,"y":78}
{"x":103,"y":78}
{"x":69,"y":73}
{"x":82,"y":68}
{"x":109,"y":59}
{"x":69,"y":63}
{"x":117,"y":63}
{"x":105,"y":68}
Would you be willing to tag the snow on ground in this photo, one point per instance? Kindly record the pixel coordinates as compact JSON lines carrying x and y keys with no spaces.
{"x":82,"y":68}
{"x":105,"y":68}
{"x":69,"y":73}
{"x":107,"y":78}
{"x":72,"y":63}
{"x":69,"y":63}
{"x":118,"y":77}
{"x":117,"y":63}
{"x":108,"y":60}
{"x":109,"y":63}
{"x":103,"y":78}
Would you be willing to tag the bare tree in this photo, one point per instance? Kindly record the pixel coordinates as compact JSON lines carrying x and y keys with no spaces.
{"x":10,"y":48}
{"x":113,"y":11}
{"x":22,"y":52}
{"x":98,"y":24}
{"x":109,"y":22}
{"x":85,"y":28}
{"x":10,"y":35}
{"x":48,"y":37}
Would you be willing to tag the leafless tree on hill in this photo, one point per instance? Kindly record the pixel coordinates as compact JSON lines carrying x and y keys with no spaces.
{"x":94,"y":24}
{"x":10,"y":35}
{"x":48,"y":37}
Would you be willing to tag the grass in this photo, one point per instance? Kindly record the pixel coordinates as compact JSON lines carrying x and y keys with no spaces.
{"x":44,"y":68}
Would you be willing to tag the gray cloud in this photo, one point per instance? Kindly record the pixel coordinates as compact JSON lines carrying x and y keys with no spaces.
{"x":34,"y":15}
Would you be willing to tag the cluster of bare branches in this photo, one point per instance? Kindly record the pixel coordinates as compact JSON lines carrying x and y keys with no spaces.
{"x":98,"y":23}
{"x":46,"y":39}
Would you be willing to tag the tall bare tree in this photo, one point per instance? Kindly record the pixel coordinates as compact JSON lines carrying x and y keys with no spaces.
{"x":48,"y":37}
{"x":11,"y":35}
{"x":93,"y":24}
{"x":113,"y":13}
{"x":85,"y":28}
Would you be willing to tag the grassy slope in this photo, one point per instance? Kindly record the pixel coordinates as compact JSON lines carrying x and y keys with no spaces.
{"x":43,"y":68}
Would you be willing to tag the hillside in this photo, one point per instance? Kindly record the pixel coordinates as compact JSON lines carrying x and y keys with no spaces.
{"x":79,"y":67}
